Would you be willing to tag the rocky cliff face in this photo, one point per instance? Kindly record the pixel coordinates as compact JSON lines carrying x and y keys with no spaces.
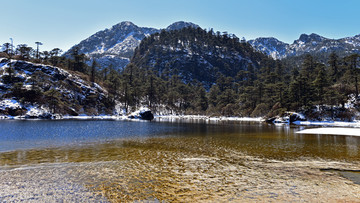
{"x":38,"y":88}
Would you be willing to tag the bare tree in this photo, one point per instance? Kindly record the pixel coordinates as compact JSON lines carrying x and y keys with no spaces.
{"x":11,"y":47}
{"x":37,"y":49}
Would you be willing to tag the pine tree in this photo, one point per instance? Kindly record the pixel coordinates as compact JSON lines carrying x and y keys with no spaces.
{"x":321,"y":83}
{"x":201,"y":103}
{"x":353,"y":71}
{"x":6,"y":47}
{"x":53,"y":98}
{"x":308,"y":67}
{"x":93,"y":71}
{"x":333,"y":62}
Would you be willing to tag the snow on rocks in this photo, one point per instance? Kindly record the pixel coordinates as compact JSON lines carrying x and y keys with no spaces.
{"x":38,"y":112}
{"x":71,"y":87}
{"x":9,"y":103}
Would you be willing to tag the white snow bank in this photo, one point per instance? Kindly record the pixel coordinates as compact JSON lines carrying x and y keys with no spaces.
{"x":37,"y":111}
{"x":330,"y":123}
{"x":199,"y":117}
{"x":9,"y":103}
{"x":332,"y":131}
{"x":86,"y":117}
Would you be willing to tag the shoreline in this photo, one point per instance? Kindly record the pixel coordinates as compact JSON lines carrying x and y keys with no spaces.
{"x":207,"y":119}
{"x":353,"y":124}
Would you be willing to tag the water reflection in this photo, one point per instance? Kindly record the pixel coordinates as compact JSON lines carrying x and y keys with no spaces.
{"x":88,"y":141}
{"x":352,"y":144}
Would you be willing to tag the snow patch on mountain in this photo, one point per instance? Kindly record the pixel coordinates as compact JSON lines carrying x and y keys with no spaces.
{"x":312,"y":44}
{"x":270,"y":46}
{"x":115,"y":46}
{"x":73,"y":89}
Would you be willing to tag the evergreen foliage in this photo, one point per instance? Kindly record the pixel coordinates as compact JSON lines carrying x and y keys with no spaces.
{"x":194,"y":71}
{"x":262,"y":88}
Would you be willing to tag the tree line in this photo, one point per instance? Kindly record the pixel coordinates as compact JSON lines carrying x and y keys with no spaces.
{"x":266,"y":88}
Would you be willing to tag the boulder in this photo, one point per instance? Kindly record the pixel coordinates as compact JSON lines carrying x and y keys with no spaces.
{"x":146,"y":115}
{"x":296,"y":117}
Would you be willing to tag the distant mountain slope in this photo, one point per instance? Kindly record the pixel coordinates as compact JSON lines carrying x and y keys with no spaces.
{"x":270,"y":46}
{"x":180,"y":25}
{"x":313,"y":44}
{"x":51,"y":88}
{"x":195,"y":54}
{"x":115,"y":46}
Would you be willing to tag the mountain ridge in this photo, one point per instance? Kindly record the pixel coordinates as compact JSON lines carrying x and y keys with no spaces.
{"x":196,"y":54}
{"x":312,"y":44}
{"x":115,"y":46}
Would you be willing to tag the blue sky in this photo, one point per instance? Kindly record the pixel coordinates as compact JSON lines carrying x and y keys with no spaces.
{"x":65,"y":23}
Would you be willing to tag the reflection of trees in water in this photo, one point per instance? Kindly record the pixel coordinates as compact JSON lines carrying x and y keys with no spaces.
{"x":352,"y":144}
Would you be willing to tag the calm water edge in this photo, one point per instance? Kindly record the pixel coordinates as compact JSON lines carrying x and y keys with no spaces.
{"x":28,"y":142}
{"x":122,"y":161}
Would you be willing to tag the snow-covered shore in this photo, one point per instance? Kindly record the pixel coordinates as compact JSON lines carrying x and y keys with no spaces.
{"x":160,"y":118}
{"x":331,"y":131}
{"x":206,"y":118}
{"x":353,"y":124}
{"x":39,"y":112}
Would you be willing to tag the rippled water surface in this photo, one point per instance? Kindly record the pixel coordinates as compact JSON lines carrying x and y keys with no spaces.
{"x":139,"y":159}
{"x":110,"y":137}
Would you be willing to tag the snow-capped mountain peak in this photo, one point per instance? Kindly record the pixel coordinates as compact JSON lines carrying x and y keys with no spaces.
{"x":115,"y":46}
{"x":270,"y":46}
{"x":312,"y":43}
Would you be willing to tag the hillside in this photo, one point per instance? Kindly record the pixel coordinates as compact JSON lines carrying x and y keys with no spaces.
{"x":36,"y":90}
{"x":115,"y":46}
{"x":190,"y":71}
{"x":196,"y":55}
{"x":196,"y":71}
{"x":313,"y":44}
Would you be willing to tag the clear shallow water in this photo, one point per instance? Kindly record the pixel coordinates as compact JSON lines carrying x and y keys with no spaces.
{"x":30,"y":134}
{"x":257,"y":139}
{"x":176,"y":161}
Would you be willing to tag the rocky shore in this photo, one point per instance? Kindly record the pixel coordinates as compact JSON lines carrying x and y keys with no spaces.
{"x":200,"y":179}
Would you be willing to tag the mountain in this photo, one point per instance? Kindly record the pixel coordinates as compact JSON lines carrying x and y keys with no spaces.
{"x":196,"y":55}
{"x":313,"y":44}
{"x":180,"y":25}
{"x":270,"y":46}
{"x":37,"y":90}
{"x":115,"y":46}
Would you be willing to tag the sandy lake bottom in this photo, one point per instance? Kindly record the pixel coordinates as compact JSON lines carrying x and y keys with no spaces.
{"x":225,"y":164}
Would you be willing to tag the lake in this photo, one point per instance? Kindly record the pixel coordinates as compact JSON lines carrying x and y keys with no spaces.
{"x":109,"y":160}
